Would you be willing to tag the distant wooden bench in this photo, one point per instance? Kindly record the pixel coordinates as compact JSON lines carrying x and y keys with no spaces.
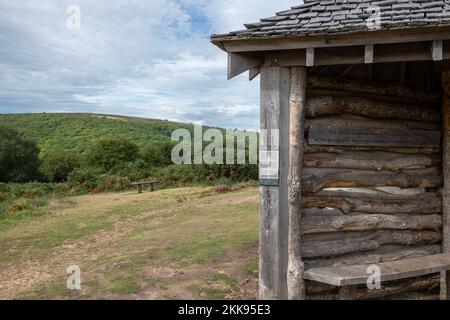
{"x":348,"y":277}
{"x":140,"y":185}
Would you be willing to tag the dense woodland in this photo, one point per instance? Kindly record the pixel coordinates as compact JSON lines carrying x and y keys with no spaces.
{"x":43,"y":155}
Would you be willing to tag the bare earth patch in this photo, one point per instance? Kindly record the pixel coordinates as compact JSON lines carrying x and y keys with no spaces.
{"x":172,"y":244}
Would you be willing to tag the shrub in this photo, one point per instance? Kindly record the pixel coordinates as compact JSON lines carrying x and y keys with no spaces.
{"x":109,"y":183}
{"x":3,"y":196}
{"x":158,"y":154}
{"x":3,"y":210}
{"x":133,"y":170}
{"x":27,"y":190}
{"x":85,"y":178}
{"x":57,"y":165}
{"x":19,"y":157}
{"x":211,"y":174}
{"x":94,"y":180}
{"x":110,"y":152}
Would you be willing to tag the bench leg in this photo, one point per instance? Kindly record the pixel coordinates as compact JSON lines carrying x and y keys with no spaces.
{"x":152,"y":187}
{"x":347,"y":293}
{"x":139,"y":189}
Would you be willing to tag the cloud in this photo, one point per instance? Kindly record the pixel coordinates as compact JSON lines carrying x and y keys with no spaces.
{"x":144,"y":58}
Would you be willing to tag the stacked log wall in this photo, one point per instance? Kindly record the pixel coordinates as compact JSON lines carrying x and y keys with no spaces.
{"x":374,"y":202}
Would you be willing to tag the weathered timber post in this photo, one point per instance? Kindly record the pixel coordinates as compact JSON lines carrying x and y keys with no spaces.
{"x":274,"y":216}
{"x":445,"y":276}
{"x":297,"y":104}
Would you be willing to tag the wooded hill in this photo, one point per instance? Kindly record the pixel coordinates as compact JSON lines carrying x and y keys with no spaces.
{"x":77,"y":131}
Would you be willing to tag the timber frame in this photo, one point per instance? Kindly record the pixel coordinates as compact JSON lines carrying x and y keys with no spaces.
{"x":414,"y":45}
{"x":317,"y":90}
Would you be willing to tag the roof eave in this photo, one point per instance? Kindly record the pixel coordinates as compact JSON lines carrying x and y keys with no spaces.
{"x":317,"y":40}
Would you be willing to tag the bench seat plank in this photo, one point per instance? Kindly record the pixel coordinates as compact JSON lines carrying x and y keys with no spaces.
{"x":144,"y":183}
{"x":390,"y":271}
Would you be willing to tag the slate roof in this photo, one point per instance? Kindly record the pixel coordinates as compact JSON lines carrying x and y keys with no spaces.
{"x":344,"y":16}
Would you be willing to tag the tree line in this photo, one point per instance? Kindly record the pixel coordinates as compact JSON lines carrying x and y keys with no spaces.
{"x":22,"y":161}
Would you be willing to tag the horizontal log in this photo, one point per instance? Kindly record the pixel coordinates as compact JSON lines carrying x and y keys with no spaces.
{"x":364,"y":86}
{"x":318,"y":92}
{"x":333,"y":212}
{"x":404,"y":192}
{"x":343,"y":149}
{"x":361,"y":122}
{"x":383,"y":254}
{"x":382,"y":205}
{"x":335,"y":105}
{"x":390,"y":289}
{"x":428,"y":294}
{"x":378,"y":193}
{"x":369,"y":241}
{"x":371,"y":160}
{"x":326,"y":212}
{"x":313,"y":225}
{"x":344,"y":133}
{"x":316,"y":179}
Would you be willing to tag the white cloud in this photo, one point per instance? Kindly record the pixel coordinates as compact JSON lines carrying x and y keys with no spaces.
{"x":145,"y":58}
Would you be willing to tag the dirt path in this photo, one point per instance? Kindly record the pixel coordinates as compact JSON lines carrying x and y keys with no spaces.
{"x":87,"y":251}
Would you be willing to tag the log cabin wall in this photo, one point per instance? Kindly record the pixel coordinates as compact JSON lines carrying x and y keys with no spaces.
{"x":372,"y":181}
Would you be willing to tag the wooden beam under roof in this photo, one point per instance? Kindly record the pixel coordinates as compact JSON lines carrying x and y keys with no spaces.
{"x":338,"y":40}
{"x":352,"y":55}
{"x":399,"y":52}
{"x":239,"y":63}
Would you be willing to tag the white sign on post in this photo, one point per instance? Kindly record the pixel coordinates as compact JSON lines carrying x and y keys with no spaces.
{"x":269,"y":158}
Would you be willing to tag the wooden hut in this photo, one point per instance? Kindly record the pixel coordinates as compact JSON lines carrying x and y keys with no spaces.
{"x":358,"y":94}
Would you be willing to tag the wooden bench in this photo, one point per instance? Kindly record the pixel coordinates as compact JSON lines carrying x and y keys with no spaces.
{"x":349,"y":277}
{"x":140,"y":185}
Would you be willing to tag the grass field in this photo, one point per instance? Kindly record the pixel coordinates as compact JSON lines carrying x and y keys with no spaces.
{"x":189,"y":243}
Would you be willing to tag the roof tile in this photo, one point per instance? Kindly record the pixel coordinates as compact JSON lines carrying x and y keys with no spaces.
{"x":341,"y":16}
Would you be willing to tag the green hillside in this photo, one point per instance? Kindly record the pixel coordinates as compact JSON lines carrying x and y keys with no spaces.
{"x":77,"y":131}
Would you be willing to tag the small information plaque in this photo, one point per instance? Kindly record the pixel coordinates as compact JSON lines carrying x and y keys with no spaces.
{"x":269,"y":164}
{"x":351,"y":136}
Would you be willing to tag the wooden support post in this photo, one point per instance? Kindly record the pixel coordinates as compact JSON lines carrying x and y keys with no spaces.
{"x":368,"y":53}
{"x":152,"y":187}
{"x":297,"y":105}
{"x":274,"y":217}
{"x":139,"y":188}
{"x":437,"y":50}
{"x":310,"y":57}
{"x":445,"y":276}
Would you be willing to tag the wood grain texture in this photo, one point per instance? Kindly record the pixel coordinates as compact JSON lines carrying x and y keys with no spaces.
{"x":338,"y":105}
{"x":376,"y":160}
{"x":380,"y":203}
{"x":399,"y":150}
{"x":390,"y":209}
{"x":344,"y":244}
{"x":316,"y":179}
{"x":382,"y":254}
{"x":390,"y":271}
{"x":273,"y":200}
{"x":363,"y":86}
{"x":445,"y":277}
{"x":314,"y":225}
{"x":336,"y":133}
{"x":295,"y":282}
{"x":422,"y":287}
{"x":240,"y":62}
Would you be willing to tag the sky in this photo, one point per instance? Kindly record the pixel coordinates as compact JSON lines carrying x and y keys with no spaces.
{"x":146,"y":58}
